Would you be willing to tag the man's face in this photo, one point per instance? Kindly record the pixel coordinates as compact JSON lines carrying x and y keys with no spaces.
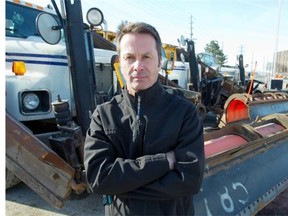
{"x":139,"y":61}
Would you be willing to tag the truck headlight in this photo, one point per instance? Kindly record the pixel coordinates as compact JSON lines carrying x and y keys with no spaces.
{"x":35,"y":102}
{"x":31,"y":101}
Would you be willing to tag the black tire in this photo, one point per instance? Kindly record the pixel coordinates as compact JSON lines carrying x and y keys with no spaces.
{"x":201,"y":109}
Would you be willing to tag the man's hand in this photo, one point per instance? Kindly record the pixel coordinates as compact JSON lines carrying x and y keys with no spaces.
{"x":171,"y":159}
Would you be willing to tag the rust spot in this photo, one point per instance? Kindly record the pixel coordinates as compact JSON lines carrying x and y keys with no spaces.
{"x":55,"y":176}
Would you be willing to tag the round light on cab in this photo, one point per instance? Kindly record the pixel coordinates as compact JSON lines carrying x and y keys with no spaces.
{"x":31,"y":101}
{"x":94,"y":16}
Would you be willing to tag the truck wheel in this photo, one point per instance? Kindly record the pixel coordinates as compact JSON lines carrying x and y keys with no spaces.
{"x":201,"y":109}
{"x":11,"y":179}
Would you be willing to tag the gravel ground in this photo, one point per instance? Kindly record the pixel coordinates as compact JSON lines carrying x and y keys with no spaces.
{"x":22,"y":201}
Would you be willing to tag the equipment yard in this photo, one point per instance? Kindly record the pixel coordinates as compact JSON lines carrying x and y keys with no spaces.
{"x":53,"y":85}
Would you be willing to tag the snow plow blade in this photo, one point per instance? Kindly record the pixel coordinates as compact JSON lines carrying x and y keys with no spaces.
{"x":246,"y":108}
{"x":36,"y":165}
{"x":246,"y":167}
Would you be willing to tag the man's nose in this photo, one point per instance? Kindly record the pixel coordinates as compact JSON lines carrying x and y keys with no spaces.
{"x":138,"y":65}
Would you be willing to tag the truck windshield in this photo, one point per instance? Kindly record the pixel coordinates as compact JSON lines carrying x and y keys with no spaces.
{"x":208,"y":59}
{"x":20,"y":20}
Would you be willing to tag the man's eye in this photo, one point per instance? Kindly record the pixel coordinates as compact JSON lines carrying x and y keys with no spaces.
{"x":128,"y":57}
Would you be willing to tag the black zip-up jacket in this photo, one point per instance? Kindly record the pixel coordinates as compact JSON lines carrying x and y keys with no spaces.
{"x":125,"y":148}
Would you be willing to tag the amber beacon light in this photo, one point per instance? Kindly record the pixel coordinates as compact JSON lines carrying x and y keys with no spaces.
{"x":19,"y":68}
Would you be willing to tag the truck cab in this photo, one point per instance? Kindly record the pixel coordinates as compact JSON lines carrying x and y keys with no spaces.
{"x":37,"y":73}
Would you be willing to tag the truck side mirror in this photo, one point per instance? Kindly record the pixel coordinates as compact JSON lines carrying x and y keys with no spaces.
{"x":167,"y":65}
{"x":48,"y":28}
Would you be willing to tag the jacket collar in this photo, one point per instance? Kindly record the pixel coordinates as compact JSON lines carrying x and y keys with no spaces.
{"x":148,"y":95}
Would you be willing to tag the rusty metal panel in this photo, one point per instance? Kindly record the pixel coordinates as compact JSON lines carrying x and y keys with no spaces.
{"x":37,"y":165}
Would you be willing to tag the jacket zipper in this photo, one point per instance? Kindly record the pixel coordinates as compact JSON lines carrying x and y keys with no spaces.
{"x":138,"y":107}
{"x":141,"y":123}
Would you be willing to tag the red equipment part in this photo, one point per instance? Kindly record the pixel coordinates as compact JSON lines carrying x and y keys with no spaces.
{"x":246,"y":108}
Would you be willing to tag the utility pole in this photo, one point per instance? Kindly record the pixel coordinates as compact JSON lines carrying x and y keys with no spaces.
{"x":191,"y":27}
{"x":241,"y":49}
{"x":276,"y":39}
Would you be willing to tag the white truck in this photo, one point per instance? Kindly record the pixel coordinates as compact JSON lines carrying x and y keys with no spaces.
{"x":47,"y":75}
{"x":38,"y":74}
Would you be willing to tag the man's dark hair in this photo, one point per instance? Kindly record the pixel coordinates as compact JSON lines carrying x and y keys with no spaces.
{"x":138,"y":27}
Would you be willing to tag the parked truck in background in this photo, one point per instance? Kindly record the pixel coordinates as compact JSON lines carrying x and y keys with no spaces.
{"x":54,"y":88}
{"x":38,"y":74}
